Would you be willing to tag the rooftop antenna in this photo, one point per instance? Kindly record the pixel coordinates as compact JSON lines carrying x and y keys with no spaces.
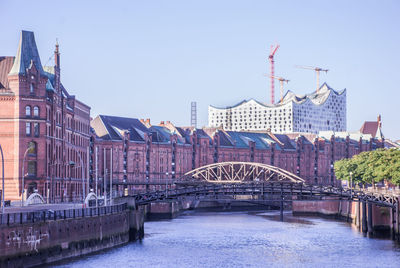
{"x":317,"y":71}
{"x":271,"y":60}
{"x":193,"y":114}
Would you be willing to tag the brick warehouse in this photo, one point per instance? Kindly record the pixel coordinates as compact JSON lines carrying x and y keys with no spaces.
{"x":40,"y":120}
{"x":66,"y":148}
{"x":132,"y":150}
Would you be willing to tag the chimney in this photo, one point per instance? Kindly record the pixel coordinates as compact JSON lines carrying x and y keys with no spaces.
{"x":379,"y":121}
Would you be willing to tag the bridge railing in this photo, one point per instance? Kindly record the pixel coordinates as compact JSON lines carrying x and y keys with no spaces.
{"x":272,"y":188}
{"x":53,"y":215}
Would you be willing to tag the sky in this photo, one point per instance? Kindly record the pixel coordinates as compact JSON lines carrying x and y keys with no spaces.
{"x":151,"y":59}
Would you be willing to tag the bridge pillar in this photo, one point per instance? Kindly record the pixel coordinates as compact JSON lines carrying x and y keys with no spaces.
{"x":364,"y":217}
{"x":397,"y":220}
{"x":358,"y":213}
{"x":370,"y":223}
{"x":393,"y":222}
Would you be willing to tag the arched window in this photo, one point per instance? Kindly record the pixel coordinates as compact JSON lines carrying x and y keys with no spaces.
{"x":28,"y":110}
{"x":31,"y":89}
{"x":32,"y":148}
{"x":36,"y":111}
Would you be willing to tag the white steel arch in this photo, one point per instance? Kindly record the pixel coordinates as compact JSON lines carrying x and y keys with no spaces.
{"x":34,"y":199}
{"x":89,"y":197}
{"x":236,"y":172}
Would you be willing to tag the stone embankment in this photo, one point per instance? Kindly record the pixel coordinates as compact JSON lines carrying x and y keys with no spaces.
{"x":35,"y":238}
{"x":367,"y":217}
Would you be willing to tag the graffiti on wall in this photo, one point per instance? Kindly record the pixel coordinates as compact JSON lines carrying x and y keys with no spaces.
{"x":31,"y":238}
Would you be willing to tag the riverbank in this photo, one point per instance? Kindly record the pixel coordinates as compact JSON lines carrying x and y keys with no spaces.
{"x":31,"y":239}
{"x":247,"y":239}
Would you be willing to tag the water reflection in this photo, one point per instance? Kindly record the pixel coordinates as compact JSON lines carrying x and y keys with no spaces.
{"x":241,"y":239}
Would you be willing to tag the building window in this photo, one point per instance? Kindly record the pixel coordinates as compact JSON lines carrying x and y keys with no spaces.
{"x":28,"y":129}
{"x":36,"y":129}
{"x":31,"y":168}
{"x":31,"y":89}
{"x":32,"y":148}
{"x":28,"y":110}
{"x":35,"y":111}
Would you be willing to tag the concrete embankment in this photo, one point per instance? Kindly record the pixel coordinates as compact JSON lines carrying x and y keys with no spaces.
{"x":33,"y":239}
{"x":366,"y":216}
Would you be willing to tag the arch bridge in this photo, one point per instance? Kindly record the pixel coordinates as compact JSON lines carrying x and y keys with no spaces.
{"x":257,"y":179}
{"x":239,"y":172}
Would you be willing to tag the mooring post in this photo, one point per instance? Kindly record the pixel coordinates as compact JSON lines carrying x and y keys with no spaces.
{"x":370,"y":223}
{"x":364,"y":217}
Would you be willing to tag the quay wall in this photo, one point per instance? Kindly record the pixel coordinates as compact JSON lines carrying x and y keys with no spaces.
{"x":352,"y":211}
{"x":31,"y":244}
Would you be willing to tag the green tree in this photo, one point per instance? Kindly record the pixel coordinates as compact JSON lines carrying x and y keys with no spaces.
{"x":371,"y":167}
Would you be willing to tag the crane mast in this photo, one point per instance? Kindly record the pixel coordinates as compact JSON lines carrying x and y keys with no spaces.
{"x":281,"y":81}
{"x":272,"y":62}
{"x":317,"y":72}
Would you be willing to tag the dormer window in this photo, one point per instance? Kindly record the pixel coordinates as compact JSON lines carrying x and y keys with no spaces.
{"x":31,"y":88}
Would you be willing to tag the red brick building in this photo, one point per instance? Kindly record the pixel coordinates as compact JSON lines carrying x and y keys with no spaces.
{"x":43,"y":129}
{"x":132,"y":150}
{"x":48,"y":139}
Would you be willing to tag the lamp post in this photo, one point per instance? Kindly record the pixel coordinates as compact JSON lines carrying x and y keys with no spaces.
{"x":82,"y":166}
{"x":83,"y":177}
{"x":351,"y":185}
{"x":23,"y":175}
{"x":2,"y":171}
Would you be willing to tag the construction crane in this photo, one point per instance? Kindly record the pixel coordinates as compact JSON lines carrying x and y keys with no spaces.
{"x":281,"y":81}
{"x":271,"y":60}
{"x":317,"y":71}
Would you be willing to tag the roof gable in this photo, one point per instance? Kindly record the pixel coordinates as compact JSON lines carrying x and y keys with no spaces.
{"x":27,"y":54}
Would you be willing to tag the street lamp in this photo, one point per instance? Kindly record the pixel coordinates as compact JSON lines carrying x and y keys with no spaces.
{"x":351,"y":185}
{"x":2,"y":189}
{"x":72,"y":165}
{"x":31,"y":146}
{"x":82,"y":166}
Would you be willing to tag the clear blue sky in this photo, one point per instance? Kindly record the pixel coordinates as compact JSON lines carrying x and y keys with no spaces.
{"x":150,"y":59}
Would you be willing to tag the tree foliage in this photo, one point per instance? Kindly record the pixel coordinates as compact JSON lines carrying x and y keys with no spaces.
{"x":370,"y":167}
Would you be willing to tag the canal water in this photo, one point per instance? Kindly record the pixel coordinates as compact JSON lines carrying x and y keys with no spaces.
{"x":247,"y":239}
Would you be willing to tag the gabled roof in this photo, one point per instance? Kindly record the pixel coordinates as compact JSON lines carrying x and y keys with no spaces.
{"x":111,"y":127}
{"x":372,"y":128}
{"x":243,"y":139}
{"x":160,"y":134}
{"x":27,"y":54}
{"x":288,"y":144}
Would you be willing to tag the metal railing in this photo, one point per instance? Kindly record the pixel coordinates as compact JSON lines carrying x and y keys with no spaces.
{"x":53,"y":215}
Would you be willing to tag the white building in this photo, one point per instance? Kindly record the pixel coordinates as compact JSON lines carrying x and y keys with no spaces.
{"x":321,"y":110}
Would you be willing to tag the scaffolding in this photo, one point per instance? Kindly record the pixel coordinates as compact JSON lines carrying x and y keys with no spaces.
{"x":193,"y":114}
